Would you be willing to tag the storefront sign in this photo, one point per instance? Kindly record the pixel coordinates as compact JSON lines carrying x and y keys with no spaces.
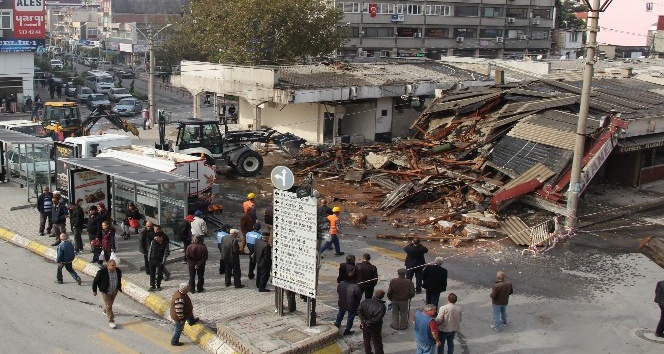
{"x":29,"y":25}
{"x":63,"y":150}
{"x":639,"y":147}
{"x":29,"y":5}
{"x":20,"y":45}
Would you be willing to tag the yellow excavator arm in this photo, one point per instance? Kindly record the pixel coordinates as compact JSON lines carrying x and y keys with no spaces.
{"x":100,"y":113}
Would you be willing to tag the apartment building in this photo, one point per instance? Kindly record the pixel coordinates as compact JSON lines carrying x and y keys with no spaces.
{"x":429,"y":28}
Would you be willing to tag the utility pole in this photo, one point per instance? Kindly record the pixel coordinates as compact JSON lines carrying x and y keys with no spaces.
{"x":151,"y":96}
{"x":579,"y":144}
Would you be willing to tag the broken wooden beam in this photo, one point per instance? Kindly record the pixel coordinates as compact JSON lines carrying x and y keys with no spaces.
{"x":422,"y":238}
{"x":653,"y":248}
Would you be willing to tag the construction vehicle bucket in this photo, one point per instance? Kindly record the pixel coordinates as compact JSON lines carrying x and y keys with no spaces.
{"x":288,"y":142}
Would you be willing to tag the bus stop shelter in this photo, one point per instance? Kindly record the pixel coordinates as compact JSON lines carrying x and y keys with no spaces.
{"x":26,"y":161}
{"x":153,"y":191}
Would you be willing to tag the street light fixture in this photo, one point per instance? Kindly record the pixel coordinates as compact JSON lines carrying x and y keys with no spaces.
{"x":151,"y":92}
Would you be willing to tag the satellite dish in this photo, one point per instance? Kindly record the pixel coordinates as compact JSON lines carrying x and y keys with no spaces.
{"x":563,"y":57}
{"x":581,"y":57}
{"x":539,"y":57}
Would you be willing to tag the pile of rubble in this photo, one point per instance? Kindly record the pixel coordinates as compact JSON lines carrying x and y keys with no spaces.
{"x":475,"y":151}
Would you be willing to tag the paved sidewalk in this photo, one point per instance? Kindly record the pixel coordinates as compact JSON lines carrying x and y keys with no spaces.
{"x":241,"y":310}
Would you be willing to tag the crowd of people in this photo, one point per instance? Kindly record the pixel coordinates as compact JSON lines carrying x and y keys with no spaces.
{"x":435,"y":325}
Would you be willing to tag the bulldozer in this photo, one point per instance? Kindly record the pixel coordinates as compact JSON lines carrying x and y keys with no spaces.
{"x":63,"y":119}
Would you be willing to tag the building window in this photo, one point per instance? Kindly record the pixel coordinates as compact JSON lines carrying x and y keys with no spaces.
{"x":5,"y":19}
{"x":516,"y":12}
{"x":492,"y":12}
{"x":379,"y":32}
{"x":515,"y":33}
{"x":385,"y":9}
{"x":574,"y":37}
{"x":92,"y":32}
{"x":398,"y":9}
{"x":542,"y":13}
{"x":649,"y":6}
{"x":349,"y":7}
{"x":465,"y":11}
{"x":464,"y":32}
{"x":539,"y":34}
{"x":491,"y":33}
{"x":437,"y":32}
{"x":353,"y":32}
{"x":437,"y":10}
{"x":414,"y":9}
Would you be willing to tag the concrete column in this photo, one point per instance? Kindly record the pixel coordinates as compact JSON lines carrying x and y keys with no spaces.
{"x":197,"y":104}
{"x":257,"y":117}
{"x":450,"y":52}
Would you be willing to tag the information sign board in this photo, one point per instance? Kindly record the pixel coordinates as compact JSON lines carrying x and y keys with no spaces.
{"x":295,"y":253}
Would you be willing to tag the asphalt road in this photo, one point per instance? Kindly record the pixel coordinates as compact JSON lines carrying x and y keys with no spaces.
{"x":41,"y":316}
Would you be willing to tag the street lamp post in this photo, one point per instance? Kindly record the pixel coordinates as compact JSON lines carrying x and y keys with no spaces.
{"x":574,"y":186}
{"x":152,"y":105}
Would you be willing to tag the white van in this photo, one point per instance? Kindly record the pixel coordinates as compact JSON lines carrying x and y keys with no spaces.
{"x":56,"y":63}
{"x":104,"y":65}
{"x":92,"y":145}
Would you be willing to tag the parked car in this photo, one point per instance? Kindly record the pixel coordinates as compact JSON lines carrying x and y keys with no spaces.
{"x":128,"y":107}
{"x":70,"y":90}
{"x":104,"y":65}
{"x":56,"y":64}
{"x":35,"y":165}
{"x":97,"y":100}
{"x":85,"y":92}
{"x":125,"y":73}
{"x":115,"y":94}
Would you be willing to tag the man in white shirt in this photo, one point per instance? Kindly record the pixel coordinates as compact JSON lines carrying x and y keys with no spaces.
{"x":449,"y":322}
{"x":198,"y":226}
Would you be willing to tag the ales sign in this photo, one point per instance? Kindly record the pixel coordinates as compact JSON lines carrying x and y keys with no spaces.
{"x":29,"y":19}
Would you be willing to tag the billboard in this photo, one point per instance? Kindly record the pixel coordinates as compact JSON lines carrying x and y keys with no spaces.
{"x":28,"y":26}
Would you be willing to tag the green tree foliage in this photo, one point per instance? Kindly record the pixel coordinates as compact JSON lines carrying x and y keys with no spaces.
{"x":256,"y":31}
{"x":565,"y":10}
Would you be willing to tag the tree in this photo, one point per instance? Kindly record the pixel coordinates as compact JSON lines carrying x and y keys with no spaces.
{"x":565,"y":14}
{"x":256,"y":31}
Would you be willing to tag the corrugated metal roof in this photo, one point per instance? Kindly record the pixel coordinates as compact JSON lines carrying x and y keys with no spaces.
{"x":516,"y":156}
{"x":543,"y":135}
{"x":14,"y":137}
{"x":128,"y":171}
{"x":516,"y":230}
{"x":533,"y":106}
{"x":538,"y":172}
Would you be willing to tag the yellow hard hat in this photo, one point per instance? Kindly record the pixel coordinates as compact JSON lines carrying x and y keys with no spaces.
{"x":336,"y":210}
{"x":251,"y":196}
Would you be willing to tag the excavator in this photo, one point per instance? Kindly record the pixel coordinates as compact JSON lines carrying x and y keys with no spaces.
{"x":64,"y":119}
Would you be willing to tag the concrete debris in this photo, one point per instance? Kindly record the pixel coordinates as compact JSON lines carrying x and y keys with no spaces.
{"x":474,"y":149}
{"x":358,"y":219}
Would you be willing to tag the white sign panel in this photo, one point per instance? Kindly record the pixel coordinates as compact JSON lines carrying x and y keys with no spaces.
{"x":294,"y":254}
{"x":282,"y":177}
{"x":29,"y":5}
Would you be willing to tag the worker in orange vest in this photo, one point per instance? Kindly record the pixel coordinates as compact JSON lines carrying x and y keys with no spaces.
{"x":335,"y":230}
{"x":250,"y":203}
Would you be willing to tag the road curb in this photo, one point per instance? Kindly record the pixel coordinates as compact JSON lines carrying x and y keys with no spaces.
{"x":198,"y":333}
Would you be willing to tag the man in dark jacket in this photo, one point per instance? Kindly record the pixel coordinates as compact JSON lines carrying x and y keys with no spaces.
{"x":350,"y":296}
{"x":196,"y":255}
{"x":65,"y":255}
{"x":371,"y":313}
{"x":263,"y":254}
{"x":109,"y":282}
{"x":230,"y":254}
{"x":366,"y":276}
{"x":434,"y":280}
{"x":45,"y":207}
{"x":147,"y":235}
{"x":77,"y":217}
{"x":400,"y":291}
{"x":157,"y":254}
{"x":347,"y":269}
{"x":94,"y":225}
{"x":659,"y":299}
{"x":182,"y":310}
{"x":415,"y":262}
{"x":500,"y":294}
{"x":60,"y":213}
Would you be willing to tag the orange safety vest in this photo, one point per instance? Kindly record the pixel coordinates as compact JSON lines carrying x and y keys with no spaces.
{"x":247,"y":204}
{"x":333,"y":224}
